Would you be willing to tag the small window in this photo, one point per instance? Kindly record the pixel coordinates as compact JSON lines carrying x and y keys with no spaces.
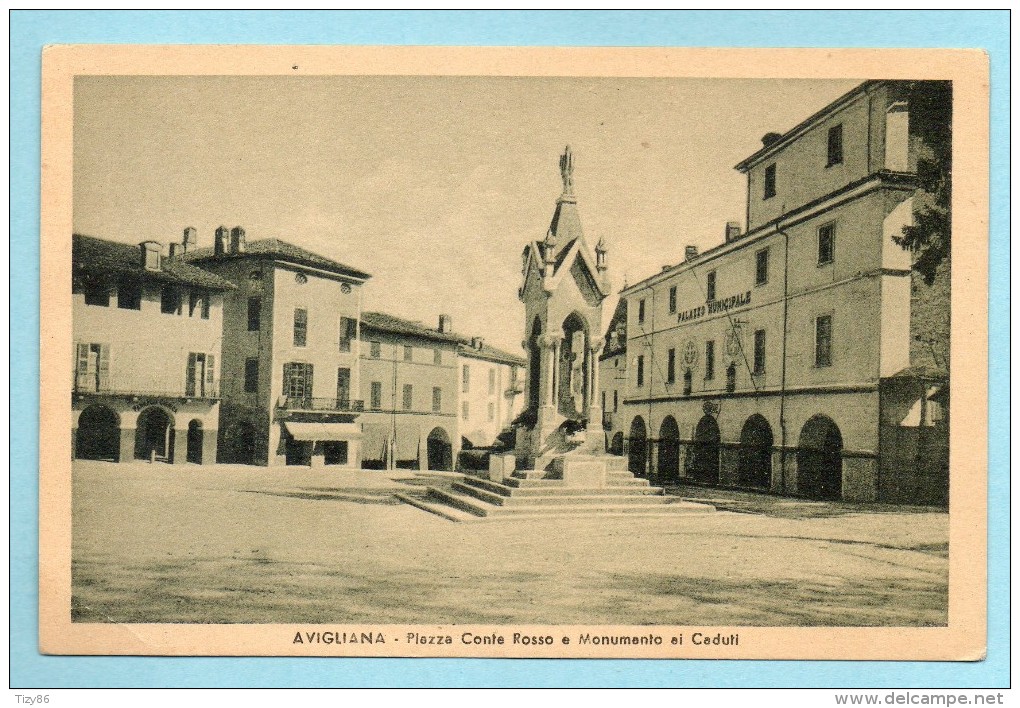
{"x":465,"y":410}
{"x":343,"y":387}
{"x":731,"y":378}
{"x":688,"y":382}
{"x":641,"y":311}
{"x":348,"y":331}
{"x":710,"y":286}
{"x":465,"y":378}
{"x":761,"y":267}
{"x":672,"y":299}
{"x":129,"y":294}
{"x":254,"y":314}
{"x":297,"y":381}
{"x":492,"y":412}
{"x":826,"y":244}
{"x":408,"y":352}
{"x":170,"y":301}
{"x":97,"y":293}
{"x":616,"y":401}
{"x":603,"y":400}
{"x":408,"y":396}
{"x":759,"y":351}
{"x":375,"y":349}
{"x":198,"y":301}
{"x":641,"y":370}
{"x":437,"y":399}
{"x":251,"y":375}
{"x":835,"y":145}
{"x":376,"y":400}
{"x":437,"y":357}
{"x":709,"y":360}
{"x":300,"y":327}
{"x":671,"y":367}
{"x":770,"y":182}
{"x":492,"y":381}
{"x":823,"y":340}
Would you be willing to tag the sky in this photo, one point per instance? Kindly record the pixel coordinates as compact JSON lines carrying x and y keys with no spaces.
{"x":433,"y":185}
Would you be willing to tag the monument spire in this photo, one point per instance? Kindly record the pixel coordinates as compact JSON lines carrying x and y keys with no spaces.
{"x":567,"y":173}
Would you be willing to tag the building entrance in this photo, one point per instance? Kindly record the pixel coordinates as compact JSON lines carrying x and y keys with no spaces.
{"x":154,"y":439}
{"x":637,"y":450}
{"x":820,"y":459}
{"x":756,"y":453}
{"x":669,"y":450}
{"x":98,"y":434}
{"x":704,"y":464}
{"x":195,"y":436}
{"x":440,"y":450}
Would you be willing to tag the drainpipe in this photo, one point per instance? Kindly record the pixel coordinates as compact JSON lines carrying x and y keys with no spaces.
{"x":782,"y":379}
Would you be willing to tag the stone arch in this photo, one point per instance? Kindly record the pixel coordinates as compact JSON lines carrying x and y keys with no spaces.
{"x":439,"y":449}
{"x":703,"y":463}
{"x":637,"y":447}
{"x":755,"y":460}
{"x":572,"y":394}
{"x":534,"y":348}
{"x":154,"y":437}
{"x":616,"y":446}
{"x":669,"y":450}
{"x":820,"y":459}
{"x":195,"y":438}
{"x":98,"y":436}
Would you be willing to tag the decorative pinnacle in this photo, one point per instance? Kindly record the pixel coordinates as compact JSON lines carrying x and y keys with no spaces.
{"x":567,"y":171}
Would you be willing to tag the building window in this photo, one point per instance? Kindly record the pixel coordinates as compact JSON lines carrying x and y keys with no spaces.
{"x":641,"y":311}
{"x":688,"y":382}
{"x":492,"y":381}
{"x":759,"y":351}
{"x":710,"y":286}
{"x":465,"y":378}
{"x":616,"y":401}
{"x":198,"y":301}
{"x":709,"y":360}
{"x":437,"y":357}
{"x":170,"y":300}
{"x":437,"y":399}
{"x":300,"y":327}
{"x":761,"y":267}
{"x":343,"y":387}
{"x":375,"y":349}
{"x":465,"y":410}
{"x":93,"y":370}
{"x":823,"y":340}
{"x":251,"y":375}
{"x":641,"y":370}
{"x":492,"y":412}
{"x":835,"y":149}
{"x":297,"y":381}
{"x":348,"y":331}
{"x":254,"y":314}
{"x":826,"y":244}
{"x":408,"y":396}
{"x":408,"y":352}
{"x":376,"y":400}
{"x":671,"y":367}
{"x":603,"y":400}
{"x":129,"y":294}
{"x":672,"y":299}
{"x":96,"y":293}
{"x":770,"y":182}
{"x":731,"y":378}
{"x":194,"y":384}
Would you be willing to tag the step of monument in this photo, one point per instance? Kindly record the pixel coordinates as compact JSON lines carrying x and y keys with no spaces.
{"x":611,"y":481}
{"x":568,"y":497}
{"x":559,"y":489}
{"x":668,"y":506}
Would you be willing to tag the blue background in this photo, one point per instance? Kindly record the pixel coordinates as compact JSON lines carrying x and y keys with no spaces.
{"x":31,"y":30}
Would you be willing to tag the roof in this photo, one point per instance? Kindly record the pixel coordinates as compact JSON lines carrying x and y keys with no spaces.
{"x":793,"y":132}
{"x":382,"y":322}
{"x":490,"y":353}
{"x":280,"y":250}
{"x":96,"y":255}
{"x":926,"y":372}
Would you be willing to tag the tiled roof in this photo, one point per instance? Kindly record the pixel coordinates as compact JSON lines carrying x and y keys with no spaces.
{"x":99,"y":256}
{"x":490,"y":353}
{"x":382,"y":322}
{"x":282,"y":250}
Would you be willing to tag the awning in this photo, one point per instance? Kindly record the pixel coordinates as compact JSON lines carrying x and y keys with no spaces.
{"x":323,"y":431}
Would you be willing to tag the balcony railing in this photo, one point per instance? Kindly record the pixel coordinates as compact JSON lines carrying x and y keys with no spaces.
{"x":344,"y":405}
{"x":208,"y":392}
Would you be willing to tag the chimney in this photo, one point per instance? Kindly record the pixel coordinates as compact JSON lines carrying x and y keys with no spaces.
{"x":445,"y":324}
{"x":176,"y":249}
{"x":732,"y":231}
{"x":190,"y":239}
{"x":690,"y":253}
{"x":769,"y":139}
{"x":477,"y":342}
{"x":152,"y":255}
{"x":237,"y":242}
{"x":221,"y":244}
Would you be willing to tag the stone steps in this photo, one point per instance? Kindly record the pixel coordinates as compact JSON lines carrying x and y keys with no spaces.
{"x":565,"y":497}
{"x":555,"y":487}
{"x":440,"y":500}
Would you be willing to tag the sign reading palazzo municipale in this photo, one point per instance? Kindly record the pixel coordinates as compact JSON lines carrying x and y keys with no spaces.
{"x":715,"y":306}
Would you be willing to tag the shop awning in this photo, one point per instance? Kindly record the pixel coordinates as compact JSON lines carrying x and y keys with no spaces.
{"x":323,"y":431}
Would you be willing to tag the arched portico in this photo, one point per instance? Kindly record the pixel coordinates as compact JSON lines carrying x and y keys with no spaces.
{"x":154,"y":438}
{"x":440,"y":449}
{"x":98,"y":436}
{"x":669,"y":450}
{"x":703,"y":463}
{"x":637,"y":447}
{"x":820,"y":459}
{"x":755,"y":465}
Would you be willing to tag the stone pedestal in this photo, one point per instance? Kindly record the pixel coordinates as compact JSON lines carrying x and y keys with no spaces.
{"x":584,"y":471}
{"x":501,"y":467}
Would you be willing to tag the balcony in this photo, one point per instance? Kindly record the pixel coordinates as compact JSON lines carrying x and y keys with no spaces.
{"x":208,"y":392}
{"x":323,"y":405}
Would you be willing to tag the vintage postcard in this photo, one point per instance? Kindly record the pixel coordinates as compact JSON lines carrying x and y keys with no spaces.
{"x":514,"y":352}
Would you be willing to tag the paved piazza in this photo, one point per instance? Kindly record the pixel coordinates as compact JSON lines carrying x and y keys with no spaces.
{"x":161,"y":543}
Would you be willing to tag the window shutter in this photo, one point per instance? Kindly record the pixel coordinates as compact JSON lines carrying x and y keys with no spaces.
{"x":104,"y":367}
{"x":189,"y":389}
{"x":286,"y":380}
{"x":82,"y":370}
{"x":210,"y":373}
{"x":308,"y":382}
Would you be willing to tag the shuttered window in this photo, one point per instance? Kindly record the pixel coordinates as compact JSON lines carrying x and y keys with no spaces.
{"x":300,"y":327}
{"x":92,"y":370}
{"x":297,"y":381}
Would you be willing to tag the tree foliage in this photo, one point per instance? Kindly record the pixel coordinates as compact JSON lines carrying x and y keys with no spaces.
{"x":931,"y":128}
